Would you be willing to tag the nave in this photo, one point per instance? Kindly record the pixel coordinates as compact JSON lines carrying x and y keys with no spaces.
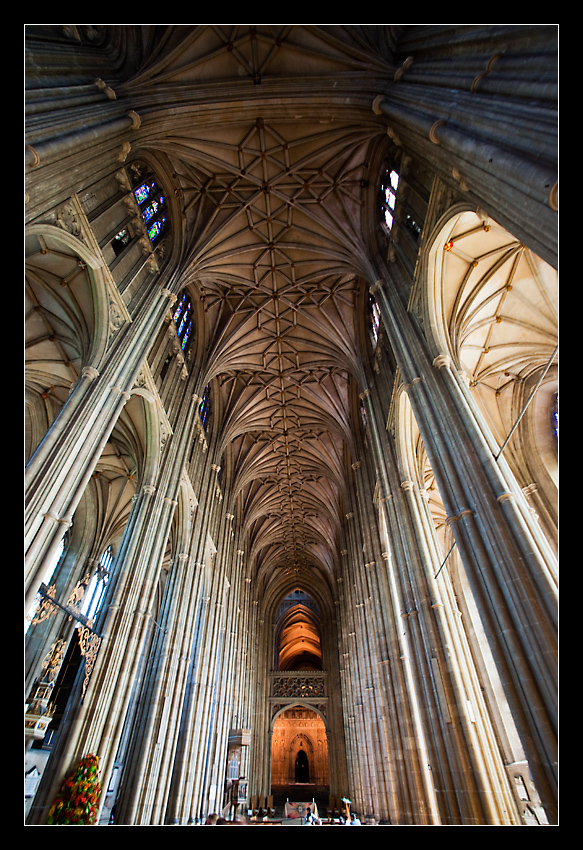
{"x":291,"y":421}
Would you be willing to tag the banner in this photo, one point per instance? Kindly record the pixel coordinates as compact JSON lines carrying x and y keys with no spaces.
{"x":300,"y":810}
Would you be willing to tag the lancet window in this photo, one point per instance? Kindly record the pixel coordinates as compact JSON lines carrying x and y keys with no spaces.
{"x":152,"y":207}
{"x":375,"y":318}
{"x":183,"y":319}
{"x":95,"y":590}
{"x":389,"y":196}
{"x":152,"y":203}
{"x":203,"y":410}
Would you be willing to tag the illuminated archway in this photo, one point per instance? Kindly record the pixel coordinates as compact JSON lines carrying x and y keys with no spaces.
{"x":299,"y":748}
{"x":297,"y":634}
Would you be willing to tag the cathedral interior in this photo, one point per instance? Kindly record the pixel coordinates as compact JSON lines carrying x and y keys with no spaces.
{"x":291,"y":421}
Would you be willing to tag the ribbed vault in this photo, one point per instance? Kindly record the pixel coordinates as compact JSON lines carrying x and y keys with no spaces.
{"x":273,"y":198}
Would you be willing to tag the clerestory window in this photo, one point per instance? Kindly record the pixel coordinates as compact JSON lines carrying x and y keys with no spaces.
{"x":183,"y":319}
{"x":375,"y":318}
{"x":152,"y":203}
{"x":96,"y":587}
{"x":203,"y":410}
{"x":389,"y":197}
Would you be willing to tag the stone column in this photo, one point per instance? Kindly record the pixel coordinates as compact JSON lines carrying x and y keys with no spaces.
{"x":487,"y":122}
{"x":96,"y":710}
{"x":354,"y":657}
{"x":148,"y":763}
{"x":59,"y":471}
{"x":50,"y":150}
{"x":413,"y":694}
{"x":182,"y":805}
{"x":508,"y":565}
{"x":371,"y":646}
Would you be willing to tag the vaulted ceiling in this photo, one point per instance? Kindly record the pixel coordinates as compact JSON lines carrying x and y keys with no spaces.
{"x":267,"y":129}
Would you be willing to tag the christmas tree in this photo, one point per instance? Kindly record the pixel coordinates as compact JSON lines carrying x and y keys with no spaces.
{"x":77,"y":803}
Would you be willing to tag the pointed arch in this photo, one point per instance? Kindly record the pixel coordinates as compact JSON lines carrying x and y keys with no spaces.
{"x":491,"y":305}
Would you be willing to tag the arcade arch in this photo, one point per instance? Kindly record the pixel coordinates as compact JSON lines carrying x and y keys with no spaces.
{"x":299,"y":748}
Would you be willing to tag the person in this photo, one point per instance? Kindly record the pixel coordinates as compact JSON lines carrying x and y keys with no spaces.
{"x":311,"y":819}
{"x":211,"y":820}
{"x":354,"y":821}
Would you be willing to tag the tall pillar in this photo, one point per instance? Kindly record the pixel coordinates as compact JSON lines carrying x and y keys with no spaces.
{"x":146,"y":777}
{"x":188,"y":777}
{"x":508,"y":566}
{"x":96,"y":710}
{"x":58,"y":472}
{"x":485,"y":119}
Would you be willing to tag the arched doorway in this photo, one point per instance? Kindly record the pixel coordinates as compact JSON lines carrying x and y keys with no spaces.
{"x":302,"y":767}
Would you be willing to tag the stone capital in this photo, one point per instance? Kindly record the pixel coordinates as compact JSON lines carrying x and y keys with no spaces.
{"x":442,"y":360}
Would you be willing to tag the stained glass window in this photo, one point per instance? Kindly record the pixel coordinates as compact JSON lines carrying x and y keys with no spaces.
{"x":95,"y":590}
{"x":150,"y":211}
{"x":155,"y":229}
{"x":203,"y":410}
{"x":142,"y":193}
{"x":183,"y":320}
{"x":152,"y":206}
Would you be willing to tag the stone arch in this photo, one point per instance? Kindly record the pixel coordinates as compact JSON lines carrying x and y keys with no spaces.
{"x":297,"y":636}
{"x":71,"y":312}
{"x":491,"y":306}
{"x":416,"y":471}
{"x":303,"y":748}
{"x":70,"y":258}
{"x":299,"y":727}
{"x":156,"y":429}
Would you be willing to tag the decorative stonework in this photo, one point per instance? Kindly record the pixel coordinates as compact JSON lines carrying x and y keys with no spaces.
{"x":300,"y":685}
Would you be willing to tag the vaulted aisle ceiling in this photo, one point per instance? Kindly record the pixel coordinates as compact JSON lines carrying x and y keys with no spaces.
{"x":267,"y":136}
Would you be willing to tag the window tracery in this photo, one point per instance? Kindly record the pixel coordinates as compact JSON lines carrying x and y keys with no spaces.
{"x":152,"y":205}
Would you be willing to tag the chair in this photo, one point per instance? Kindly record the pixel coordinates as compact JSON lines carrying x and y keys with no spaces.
{"x":270,"y":808}
{"x":253,"y":806}
{"x":261,"y":806}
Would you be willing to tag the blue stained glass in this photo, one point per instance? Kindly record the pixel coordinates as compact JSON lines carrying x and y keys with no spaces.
{"x":155,"y":229}
{"x":150,"y":211}
{"x":142,"y":192}
{"x":183,"y":320}
{"x":203,"y":410}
